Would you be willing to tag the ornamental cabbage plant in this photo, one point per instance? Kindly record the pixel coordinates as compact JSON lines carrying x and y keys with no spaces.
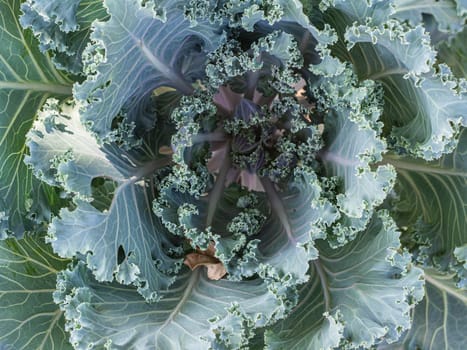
{"x":233,"y":174}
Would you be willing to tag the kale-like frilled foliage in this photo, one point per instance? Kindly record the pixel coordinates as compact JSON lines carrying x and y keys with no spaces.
{"x":27,"y":79}
{"x":255,"y":142}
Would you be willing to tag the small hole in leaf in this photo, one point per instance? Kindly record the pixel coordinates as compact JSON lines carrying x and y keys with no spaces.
{"x":102,"y":190}
{"x":121,"y":255}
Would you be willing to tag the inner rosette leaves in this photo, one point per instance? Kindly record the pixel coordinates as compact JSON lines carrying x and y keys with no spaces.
{"x":256,"y":128}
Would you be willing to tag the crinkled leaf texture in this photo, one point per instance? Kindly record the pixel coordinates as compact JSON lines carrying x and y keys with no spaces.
{"x":64,"y":152}
{"x":439,"y":320}
{"x":136,"y":52}
{"x":315,"y":117}
{"x":194,"y":314}
{"x":353,"y":146}
{"x":27,"y":79}
{"x":29,"y":317}
{"x":357,"y":295}
{"x":424,"y":108}
{"x":63,"y":28}
{"x":446,"y":13}
{"x":280,"y":246}
{"x":427,"y":108}
{"x":431,"y":204}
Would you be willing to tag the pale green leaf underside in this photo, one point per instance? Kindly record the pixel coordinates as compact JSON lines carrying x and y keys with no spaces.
{"x":63,"y":152}
{"x":287,"y":244}
{"x":353,"y":146}
{"x":362,"y":11}
{"x":29,"y":317}
{"x":26,"y":79}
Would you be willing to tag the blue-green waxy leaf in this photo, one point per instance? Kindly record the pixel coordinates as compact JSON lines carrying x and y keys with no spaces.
{"x":439,"y":321}
{"x":453,"y":52}
{"x":432,"y":203}
{"x":298,"y":216}
{"x":444,"y":11}
{"x":135,"y":53}
{"x":281,"y":235}
{"x":360,"y":11}
{"x":26,"y":80}
{"x":352,"y":149}
{"x":128,"y":224}
{"x":63,"y":152}
{"x":353,"y":145}
{"x":356,"y":295}
{"x":253,"y":144}
{"x":423,"y":109}
{"x":29,"y":317}
{"x":63,"y":27}
{"x":194,"y":314}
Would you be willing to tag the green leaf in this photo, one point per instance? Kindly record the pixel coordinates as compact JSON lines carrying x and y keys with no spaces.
{"x":358,"y":294}
{"x":128,"y":226}
{"x":281,"y":244}
{"x":353,"y":145}
{"x":361,"y":11}
{"x":135,"y":53}
{"x":444,"y":11}
{"x":299,"y":215}
{"x":195,"y":313}
{"x":125,"y":240}
{"x":432,"y":203}
{"x":29,"y":318}
{"x":27,"y":79}
{"x":423,"y":109}
{"x":63,"y":27}
{"x":64,"y":153}
{"x":440,"y":319}
{"x":454,"y":53}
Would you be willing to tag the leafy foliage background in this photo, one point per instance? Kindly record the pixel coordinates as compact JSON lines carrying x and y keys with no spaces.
{"x":317,"y":148}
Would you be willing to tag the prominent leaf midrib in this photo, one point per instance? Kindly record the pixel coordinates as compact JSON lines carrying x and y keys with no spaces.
{"x":49,"y":330}
{"x":385,"y":73}
{"x":159,"y":65}
{"x":194,"y":278}
{"x":27,"y":291}
{"x":34,"y":261}
{"x":218,"y":188}
{"x":45,"y":87}
{"x":22,"y":39}
{"x":421,"y":6}
{"x":324,"y":284}
{"x":278,"y":208}
{"x":445,"y":288}
{"x":412,"y":166}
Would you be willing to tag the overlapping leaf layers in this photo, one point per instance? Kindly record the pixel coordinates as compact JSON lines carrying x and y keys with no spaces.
{"x":267,"y":145}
